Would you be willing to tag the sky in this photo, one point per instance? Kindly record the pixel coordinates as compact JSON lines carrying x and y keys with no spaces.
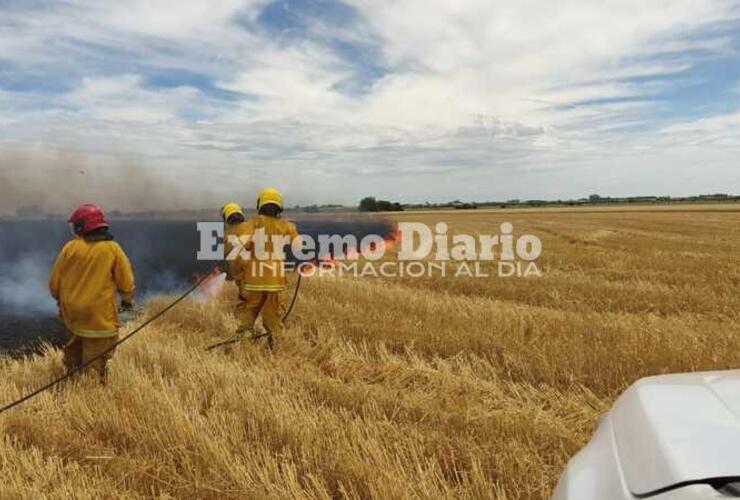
{"x":331,"y":101}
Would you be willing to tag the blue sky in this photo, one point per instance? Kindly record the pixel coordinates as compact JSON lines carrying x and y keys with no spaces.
{"x":410,"y":99}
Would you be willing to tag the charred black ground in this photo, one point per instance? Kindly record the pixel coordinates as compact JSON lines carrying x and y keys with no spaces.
{"x":163,"y":254}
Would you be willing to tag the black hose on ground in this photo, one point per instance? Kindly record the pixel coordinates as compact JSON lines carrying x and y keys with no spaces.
{"x":111,"y":348}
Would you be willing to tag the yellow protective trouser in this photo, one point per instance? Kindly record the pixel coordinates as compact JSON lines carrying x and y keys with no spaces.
{"x":80,"y":350}
{"x":267,"y":303}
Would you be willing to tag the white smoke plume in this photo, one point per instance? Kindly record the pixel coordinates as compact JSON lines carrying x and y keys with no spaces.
{"x":23,"y":288}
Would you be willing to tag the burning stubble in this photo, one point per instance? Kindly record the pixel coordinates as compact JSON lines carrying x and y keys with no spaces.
{"x":35,"y":184}
{"x":164,"y":255}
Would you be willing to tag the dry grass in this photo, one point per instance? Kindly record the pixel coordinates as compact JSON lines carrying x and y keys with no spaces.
{"x":393,"y":389}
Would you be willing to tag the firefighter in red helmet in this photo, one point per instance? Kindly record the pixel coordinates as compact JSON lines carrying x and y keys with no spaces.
{"x":91,"y":270}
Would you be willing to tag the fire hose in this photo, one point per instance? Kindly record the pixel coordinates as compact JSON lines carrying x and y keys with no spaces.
{"x":70,"y":373}
{"x":236,"y":339}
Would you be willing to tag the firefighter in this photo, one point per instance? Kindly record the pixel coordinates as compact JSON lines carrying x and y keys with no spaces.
{"x":234,"y":225}
{"x":263,"y":274}
{"x":91,"y":270}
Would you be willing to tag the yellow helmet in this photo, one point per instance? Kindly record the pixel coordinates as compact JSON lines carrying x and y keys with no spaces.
{"x":269,"y":195}
{"x":231,"y":209}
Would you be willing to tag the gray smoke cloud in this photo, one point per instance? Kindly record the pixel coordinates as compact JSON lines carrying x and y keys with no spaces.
{"x":23,"y":287}
{"x":55,"y":181}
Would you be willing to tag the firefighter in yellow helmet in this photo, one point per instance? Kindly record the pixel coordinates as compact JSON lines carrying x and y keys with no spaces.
{"x":235,"y":226}
{"x":89,"y":273}
{"x":263,"y":273}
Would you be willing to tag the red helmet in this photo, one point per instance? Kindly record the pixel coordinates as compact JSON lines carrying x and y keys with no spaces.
{"x":86,"y":218}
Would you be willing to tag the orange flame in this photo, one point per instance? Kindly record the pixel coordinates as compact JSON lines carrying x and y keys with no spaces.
{"x":389,"y":243}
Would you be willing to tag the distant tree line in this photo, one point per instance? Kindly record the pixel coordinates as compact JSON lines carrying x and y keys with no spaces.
{"x":331,"y":207}
{"x":593,"y":199}
{"x":370,"y":204}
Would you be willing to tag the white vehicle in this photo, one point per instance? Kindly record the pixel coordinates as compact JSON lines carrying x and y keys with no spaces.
{"x":671,"y":437}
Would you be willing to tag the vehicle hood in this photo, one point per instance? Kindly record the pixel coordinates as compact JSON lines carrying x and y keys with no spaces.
{"x":677,"y":429}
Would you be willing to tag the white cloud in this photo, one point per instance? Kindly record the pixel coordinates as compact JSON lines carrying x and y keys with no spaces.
{"x":173,"y":18}
{"x":479,"y":99}
{"x":293,"y":83}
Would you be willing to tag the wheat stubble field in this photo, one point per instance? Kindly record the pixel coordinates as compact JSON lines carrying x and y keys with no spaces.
{"x":434,"y":388}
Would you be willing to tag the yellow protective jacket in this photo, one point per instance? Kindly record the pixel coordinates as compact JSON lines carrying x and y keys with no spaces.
{"x":232,"y":266}
{"x":265,"y":274}
{"x":84,"y":281}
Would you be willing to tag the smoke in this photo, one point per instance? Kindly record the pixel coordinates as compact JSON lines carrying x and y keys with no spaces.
{"x":163,"y":253}
{"x":23,"y":289}
{"x":37,"y":182}
{"x":27,"y":253}
{"x":55,"y":181}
